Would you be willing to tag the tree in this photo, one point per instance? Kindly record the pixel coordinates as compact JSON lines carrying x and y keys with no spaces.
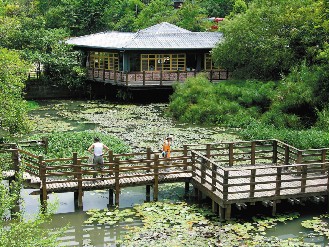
{"x":270,"y":38}
{"x":191,"y":17}
{"x":217,"y":8}
{"x":157,"y":11}
{"x":13,"y":112}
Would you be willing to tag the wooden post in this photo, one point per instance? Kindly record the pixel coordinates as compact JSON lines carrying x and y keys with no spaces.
{"x":286,"y":155}
{"x":203,"y":171}
{"x":299,"y":161}
{"x":143,"y":77}
{"x":275,"y":152}
{"x":278,"y":181}
{"x":187,"y":189}
{"x":43,"y":189}
{"x":103,"y":74}
{"x":75,"y":162}
{"x":178,"y":75}
{"x":148,"y":157}
{"x":323,"y":160}
{"x":225,"y":185}
{"x":156,"y":178}
{"x":214,"y":176}
{"x":110,"y":197}
{"x":214,"y":207}
{"x":15,"y":159}
{"x":228,"y":212}
{"x":230,"y":154}
{"x":211,"y":75}
{"x":79,"y":176}
{"x":127,"y":83}
{"x":193,"y":164}
{"x":185,"y":152}
{"x":117,"y":181}
{"x":304,"y":178}
{"x":252,"y":183}
{"x":253,"y":153}
{"x":274,"y":208}
{"x":115,"y":75}
{"x":148,"y":193}
{"x":221,"y":213}
{"x":111,"y":161}
{"x":160,"y":77}
{"x":93,"y":71}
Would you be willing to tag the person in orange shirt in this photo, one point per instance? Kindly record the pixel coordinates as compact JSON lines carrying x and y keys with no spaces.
{"x":166,"y":147}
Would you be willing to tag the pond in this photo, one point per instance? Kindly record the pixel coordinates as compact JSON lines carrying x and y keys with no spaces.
{"x":140,"y":126}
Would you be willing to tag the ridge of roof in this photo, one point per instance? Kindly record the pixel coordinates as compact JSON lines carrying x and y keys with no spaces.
{"x":164,"y":27}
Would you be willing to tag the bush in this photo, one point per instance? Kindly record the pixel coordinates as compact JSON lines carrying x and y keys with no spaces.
{"x":63,"y":144}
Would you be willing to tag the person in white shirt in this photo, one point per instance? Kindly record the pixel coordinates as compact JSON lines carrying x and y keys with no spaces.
{"x":97,"y":149}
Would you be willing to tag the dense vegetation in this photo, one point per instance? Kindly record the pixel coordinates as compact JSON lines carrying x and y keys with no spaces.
{"x":278,"y":53}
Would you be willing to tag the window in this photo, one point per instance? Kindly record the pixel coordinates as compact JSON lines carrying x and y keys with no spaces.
{"x":208,"y":62}
{"x":168,"y":62}
{"x":103,"y":60}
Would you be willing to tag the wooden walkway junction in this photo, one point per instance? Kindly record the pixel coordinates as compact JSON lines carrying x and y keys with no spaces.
{"x":230,"y":173}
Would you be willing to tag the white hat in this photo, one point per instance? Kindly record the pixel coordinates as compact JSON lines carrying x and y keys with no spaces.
{"x":169,"y":137}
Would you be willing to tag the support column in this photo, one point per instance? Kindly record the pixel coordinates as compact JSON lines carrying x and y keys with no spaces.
{"x":221,"y":213}
{"x":187,"y":189}
{"x":228,"y":212}
{"x":274,"y":208}
{"x":148,"y":193}
{"x":110,"y":197}
{"x":215,"y":206}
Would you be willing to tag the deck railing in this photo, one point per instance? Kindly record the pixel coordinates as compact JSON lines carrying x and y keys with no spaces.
{"x":243,"y":171}
{"x":151,"y":77}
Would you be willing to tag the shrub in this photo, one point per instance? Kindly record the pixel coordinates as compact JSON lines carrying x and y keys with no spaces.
{"x":63,"y":144}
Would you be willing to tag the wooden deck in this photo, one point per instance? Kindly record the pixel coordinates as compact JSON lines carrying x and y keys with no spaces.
{"x":239,"y":173}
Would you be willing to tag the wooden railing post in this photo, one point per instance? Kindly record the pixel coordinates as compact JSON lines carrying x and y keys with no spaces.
{"x":185,"y":152}
{"x":214,"y":176}
{"x":278,"y":181}
{"x":304,"y":178}
{"x":323,"y":160}
{"x":178,"y":75}
{"x":252,"y":183}
{"x":104,"y":74}
{"x":75,"y":162}
{"x":225,"y":185}
{"x":275,"y":152}
{"x":115,"y":75}
{"x":299,"y":160}
{"x":127,"y":83}
{"x":160,"y":77}
{"x":143,"y":77}
{"x":148,"y":157}
{"x":156,"y":178}
{"x":286,"y":155}
{"x":230,"y":154}
{"x":79,"y":176}
{"x":43,"y":189}
{"x":211,"y":75}
{"x":117,"y":181}
{"x":15,"y":159}
{"x":203,"y":164}
{"x":111,"y":161}
{"x":253,"y":153}
{"x":193,"y":164}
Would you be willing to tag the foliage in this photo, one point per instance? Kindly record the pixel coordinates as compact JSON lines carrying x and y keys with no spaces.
{"x":63,"y":144}
{"x":230,"y":102}
{"x":110,"y":217}
{"x":19,"y":232}
{"x":302,"y":139}
{"x":217,"y":8}
{"x":270,"y":37}
{"x":180,"y":224}
{"x":318,"y":225}
{"x":13,"y":112}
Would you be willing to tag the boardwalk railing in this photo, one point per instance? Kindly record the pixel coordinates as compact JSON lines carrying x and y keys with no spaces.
{"x":151,"y":77}
{"x":228,"y":172}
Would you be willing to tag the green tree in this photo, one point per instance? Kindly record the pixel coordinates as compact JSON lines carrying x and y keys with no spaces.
{"x":270,"y":38}
{"x":155,"y":12}
{"x":13,"y":112}
{"x":217,"y":8}
{"x":191,"y":16}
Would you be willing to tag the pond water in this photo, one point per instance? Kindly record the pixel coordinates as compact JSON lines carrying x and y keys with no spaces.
{"x":140,"y":126}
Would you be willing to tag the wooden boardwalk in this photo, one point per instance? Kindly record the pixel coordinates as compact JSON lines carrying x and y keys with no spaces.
{"x":240,"y":173}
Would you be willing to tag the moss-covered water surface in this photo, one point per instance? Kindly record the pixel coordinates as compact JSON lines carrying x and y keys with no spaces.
{"x":172,"y":221}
